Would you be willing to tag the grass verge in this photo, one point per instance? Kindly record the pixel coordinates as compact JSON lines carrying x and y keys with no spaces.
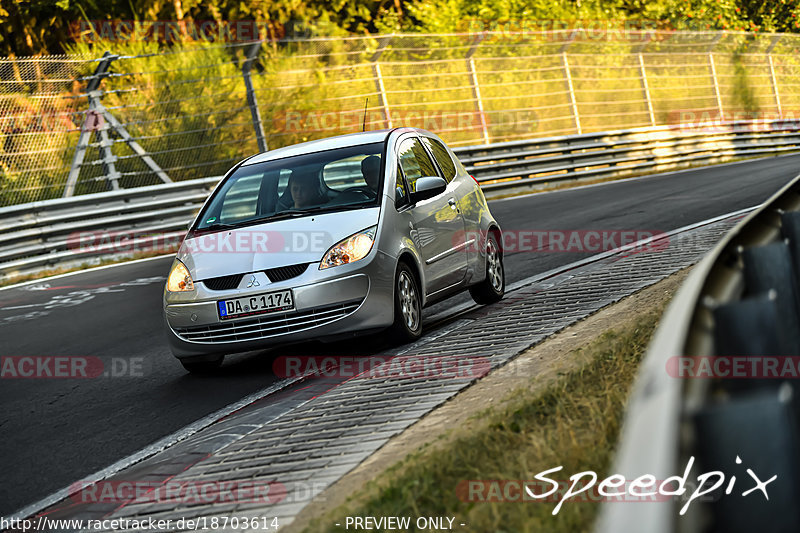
{"x":574,"y":422}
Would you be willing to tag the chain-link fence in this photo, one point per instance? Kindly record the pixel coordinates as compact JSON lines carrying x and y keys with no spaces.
{"x":74,"y":125}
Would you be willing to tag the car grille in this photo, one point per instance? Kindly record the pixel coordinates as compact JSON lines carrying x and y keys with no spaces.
{"x":285,"y":272}
{"x":267,"y":326}
{"x":223,"y":283}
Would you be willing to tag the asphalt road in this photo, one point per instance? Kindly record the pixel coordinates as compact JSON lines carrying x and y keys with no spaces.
{"x":57,"y":431}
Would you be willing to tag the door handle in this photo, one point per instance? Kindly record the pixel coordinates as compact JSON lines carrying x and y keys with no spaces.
{"x":452,"y":202}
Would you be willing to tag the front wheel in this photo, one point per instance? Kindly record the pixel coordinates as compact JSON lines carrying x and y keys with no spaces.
{"x":202,"y":365}
{"x":492,"y":288}
{"x":407,"y":324}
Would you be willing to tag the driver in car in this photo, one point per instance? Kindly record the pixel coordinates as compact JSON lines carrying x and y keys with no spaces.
{"x":370,"y":169}
{"x":304,"y":190}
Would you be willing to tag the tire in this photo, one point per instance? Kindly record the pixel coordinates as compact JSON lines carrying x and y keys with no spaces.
{"x":202,"y":366}
{"x":493,"y":286}
{"x":407,"y":326}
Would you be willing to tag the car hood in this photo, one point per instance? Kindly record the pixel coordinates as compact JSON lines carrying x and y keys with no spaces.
{"x":272,"y":244}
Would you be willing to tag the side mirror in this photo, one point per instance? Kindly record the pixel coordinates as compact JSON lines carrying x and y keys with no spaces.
{"x":428,"y":187}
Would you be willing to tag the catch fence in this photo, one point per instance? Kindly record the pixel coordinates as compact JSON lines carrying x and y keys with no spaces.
{"x":139,"y":115}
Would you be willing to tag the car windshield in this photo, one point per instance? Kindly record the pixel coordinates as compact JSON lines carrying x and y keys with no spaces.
{"x":330,"y":180}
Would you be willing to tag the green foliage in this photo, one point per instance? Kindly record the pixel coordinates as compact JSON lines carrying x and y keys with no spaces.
{"x":501,"y":15}
{"x":743,"y":15}
{"x":29,"y":27}
{"x":35,"y":27}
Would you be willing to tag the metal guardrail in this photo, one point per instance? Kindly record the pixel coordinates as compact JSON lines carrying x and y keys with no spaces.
{"x":738,"y":306}
{"x":46,"y":234}
{"x":521,"y":165}
{"x":43,"y":235}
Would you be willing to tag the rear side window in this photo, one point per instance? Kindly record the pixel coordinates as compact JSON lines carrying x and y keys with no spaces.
{"x":442,"y":157}
{"x":415,"y":162}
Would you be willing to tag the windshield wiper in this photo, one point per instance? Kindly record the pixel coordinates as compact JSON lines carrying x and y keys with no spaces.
{"x":293,"y":213}
{"x":215,"y":227}
{"x":358,"y":205}
{"x":305,"y":211}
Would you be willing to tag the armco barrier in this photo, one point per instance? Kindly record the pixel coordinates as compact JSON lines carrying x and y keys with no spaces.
{"x":719,"y":384}
{"x":35,"y":236}
{"x":521,"y":165}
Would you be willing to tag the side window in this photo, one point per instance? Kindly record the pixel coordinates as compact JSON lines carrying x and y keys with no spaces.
{"x":361,"y":170}
{"x":415,"y":161}
{"x":241,"y":200}
{"x":442,"y":157}
{"x":400,"y":193}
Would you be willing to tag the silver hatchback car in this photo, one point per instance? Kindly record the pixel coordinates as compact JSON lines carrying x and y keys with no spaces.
{"x":330,"y":238}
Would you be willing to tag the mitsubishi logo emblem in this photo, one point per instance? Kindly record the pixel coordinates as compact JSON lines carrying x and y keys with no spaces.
{"x":253,"y":282}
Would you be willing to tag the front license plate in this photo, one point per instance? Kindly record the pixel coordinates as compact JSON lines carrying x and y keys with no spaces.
{"x":255,"y":305}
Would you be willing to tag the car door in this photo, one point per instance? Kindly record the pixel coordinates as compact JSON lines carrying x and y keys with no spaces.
{"x":471,"y":204}
{"x":438,"y":227}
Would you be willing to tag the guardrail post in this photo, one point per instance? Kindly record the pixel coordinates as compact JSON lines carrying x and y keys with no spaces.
{"x":109,"y":159}
{"x":378,"y":75}
{"x":775,"y":85}
{"x":120,"y":129}
{"x":252,"y":101}
{"x":571,"y":90}
{"x":476,"y":89}
{"x":717,"y":95}
{"x":772,"y":76}
{"x":646,"y":89}
{"x":91,"y":123}
{"x":99,"y":119}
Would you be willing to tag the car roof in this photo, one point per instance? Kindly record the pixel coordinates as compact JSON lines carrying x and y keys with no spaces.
{"x":330,"y":143}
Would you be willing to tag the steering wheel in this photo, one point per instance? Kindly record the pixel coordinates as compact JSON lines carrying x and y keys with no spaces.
{"x":366,"y":191}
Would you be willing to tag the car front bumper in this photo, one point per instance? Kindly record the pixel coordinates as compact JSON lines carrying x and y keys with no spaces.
{"x":328,"y":303}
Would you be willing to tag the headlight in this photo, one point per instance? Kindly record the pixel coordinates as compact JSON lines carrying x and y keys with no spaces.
{"x":351,"y":249}
{"x":179,"y":279}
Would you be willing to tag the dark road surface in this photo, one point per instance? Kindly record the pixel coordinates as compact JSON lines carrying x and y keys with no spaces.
{"x":54,"y":431}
